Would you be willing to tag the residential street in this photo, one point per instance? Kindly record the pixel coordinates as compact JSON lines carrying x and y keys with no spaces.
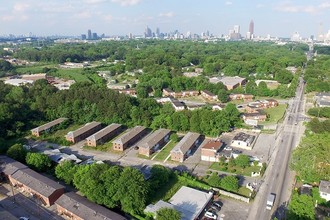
{"x":278,"y":179}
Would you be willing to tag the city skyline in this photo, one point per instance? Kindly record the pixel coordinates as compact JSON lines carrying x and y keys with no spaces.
{"x":121,"y":17}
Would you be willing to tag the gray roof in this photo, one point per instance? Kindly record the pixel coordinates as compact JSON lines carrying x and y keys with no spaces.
{"x":323,"y":94}
{"x":28,"y":177}
{"x":129,"y":135}
{"x":100,"y":134}
{"x":228,"y":80}
{"x":324,"y":186}
{"x":49,"y":124}
{"x":186,"y":142}
{"x":85,"y":209}
{"x":83,"y":129}
{"x":177,"y":103}
{"x":244,"y":137}
{"x":154,"y":138}
{"x":208,"y":93}
{"x":8,"y":166}
{"x":190,"y":202}
{"x":160,"y":204}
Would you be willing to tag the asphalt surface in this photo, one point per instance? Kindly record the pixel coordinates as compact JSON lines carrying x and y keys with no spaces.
{"x":278,"y":179}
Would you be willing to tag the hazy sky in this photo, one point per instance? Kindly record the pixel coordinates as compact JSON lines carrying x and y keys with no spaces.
{"x":120,"y":17}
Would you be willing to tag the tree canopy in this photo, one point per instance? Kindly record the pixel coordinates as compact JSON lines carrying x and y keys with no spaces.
{"x":38,"y":161}
{"x":168,"y":214}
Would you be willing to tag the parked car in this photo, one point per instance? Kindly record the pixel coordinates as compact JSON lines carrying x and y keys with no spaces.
{"x":210,"y":214}
{"x":136,"y":148}
{"x":228,"y":148}
{"x":24,"y":218}
{"x":217,"y":204}
{"x":215,"y":208}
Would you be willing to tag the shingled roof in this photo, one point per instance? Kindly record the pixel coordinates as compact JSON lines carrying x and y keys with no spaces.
{"x":49,"y":125}
{"x":154,"y":138}
{"x":100,"y":134}
{"x":83,"y":129}
{"x":186,"y":142}
{"x":85,"y":209}
{"x":129,"y":135}
{"x":35,"y":181}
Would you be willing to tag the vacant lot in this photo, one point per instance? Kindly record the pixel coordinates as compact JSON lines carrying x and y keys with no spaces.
{"x":275,"y":114}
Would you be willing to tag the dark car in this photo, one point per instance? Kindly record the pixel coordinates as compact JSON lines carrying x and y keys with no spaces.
{"x":217,"y":204}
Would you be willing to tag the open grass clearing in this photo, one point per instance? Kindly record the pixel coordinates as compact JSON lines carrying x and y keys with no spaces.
{"x":163,"y":154}
{"x":275,"y":114}
{"x":235,"y":169}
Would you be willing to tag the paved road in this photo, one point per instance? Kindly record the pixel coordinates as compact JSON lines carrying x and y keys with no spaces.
{"x":278,"y":178}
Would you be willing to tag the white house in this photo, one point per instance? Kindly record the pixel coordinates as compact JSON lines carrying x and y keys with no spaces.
{"x":242,"y":140}
{"x":325,"y":190}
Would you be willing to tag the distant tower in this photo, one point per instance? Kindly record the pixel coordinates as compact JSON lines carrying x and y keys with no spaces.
{"x":89,"y":34}
{"x":236,"y":29}
{"x":251,"y":27}
{"x":320,"y":35}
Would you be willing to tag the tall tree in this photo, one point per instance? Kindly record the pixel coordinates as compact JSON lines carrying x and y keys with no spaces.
{"x":168,"y":214}
{"x":17,"y":152}
{"x":132,"y":191}
{"x":39,"y":162}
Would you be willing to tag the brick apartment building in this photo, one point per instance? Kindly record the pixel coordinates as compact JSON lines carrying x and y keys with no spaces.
{"x":83,"y":132}
{"x":104,"y":135}
{"x":181,"y":151}
{"x":129,"y":138}
{"x":73,"y":206}
{"x":154,"y":142}
{"x":22,"y":177}
{"x":46,"y":127}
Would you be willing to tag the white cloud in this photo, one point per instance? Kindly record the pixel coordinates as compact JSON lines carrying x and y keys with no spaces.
{"x":228,"y":3}
{"x":94,"y":1}
{"x":310,"y":9}
{"x":126,"y":2}
{"x":260,"y":5}
{"x":169,"y":14}
{"x":83,"y":15}
{"x":21,"y":7}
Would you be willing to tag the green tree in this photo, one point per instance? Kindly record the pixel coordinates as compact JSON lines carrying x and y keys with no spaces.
{"x":223,"y":96}
{"x":17,"y":152}
{"x":168,"y":214}
{"x":242,"y":160}
{"x":39,"y":162}
{"x":132,"y":191}
{"x":174,"y":137}
{"x":311,"y":157}
{"x":229,"y":183}
{"x":214,"y":180}
{"x":65,"y":171}
{"x":89,"y":180}
{"x":301,"y":207}
{"x":160,"y":176}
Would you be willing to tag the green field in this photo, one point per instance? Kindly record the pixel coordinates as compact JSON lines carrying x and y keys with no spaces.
{"x":161,"y":156}
{"x":235,"y":169}
{"x":275,"y":114}
{"x":75,"y":74}
{"x":37,"y":68}
{"x":58,"y":137}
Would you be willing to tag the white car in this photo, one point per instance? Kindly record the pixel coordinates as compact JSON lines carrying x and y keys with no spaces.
{"x":24,"y":218}
{"x":210,"y":215}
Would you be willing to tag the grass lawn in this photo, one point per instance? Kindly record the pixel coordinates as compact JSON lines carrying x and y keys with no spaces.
{"x":58,"y":136}
{"x":275,"y":114}
{"x":75,"y":74}
{"x":107,"y":147}
{"x":235,"y":169}
{"x":161,"y":156}
{"x":37,"y":68}
{"x":244,"y":191}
